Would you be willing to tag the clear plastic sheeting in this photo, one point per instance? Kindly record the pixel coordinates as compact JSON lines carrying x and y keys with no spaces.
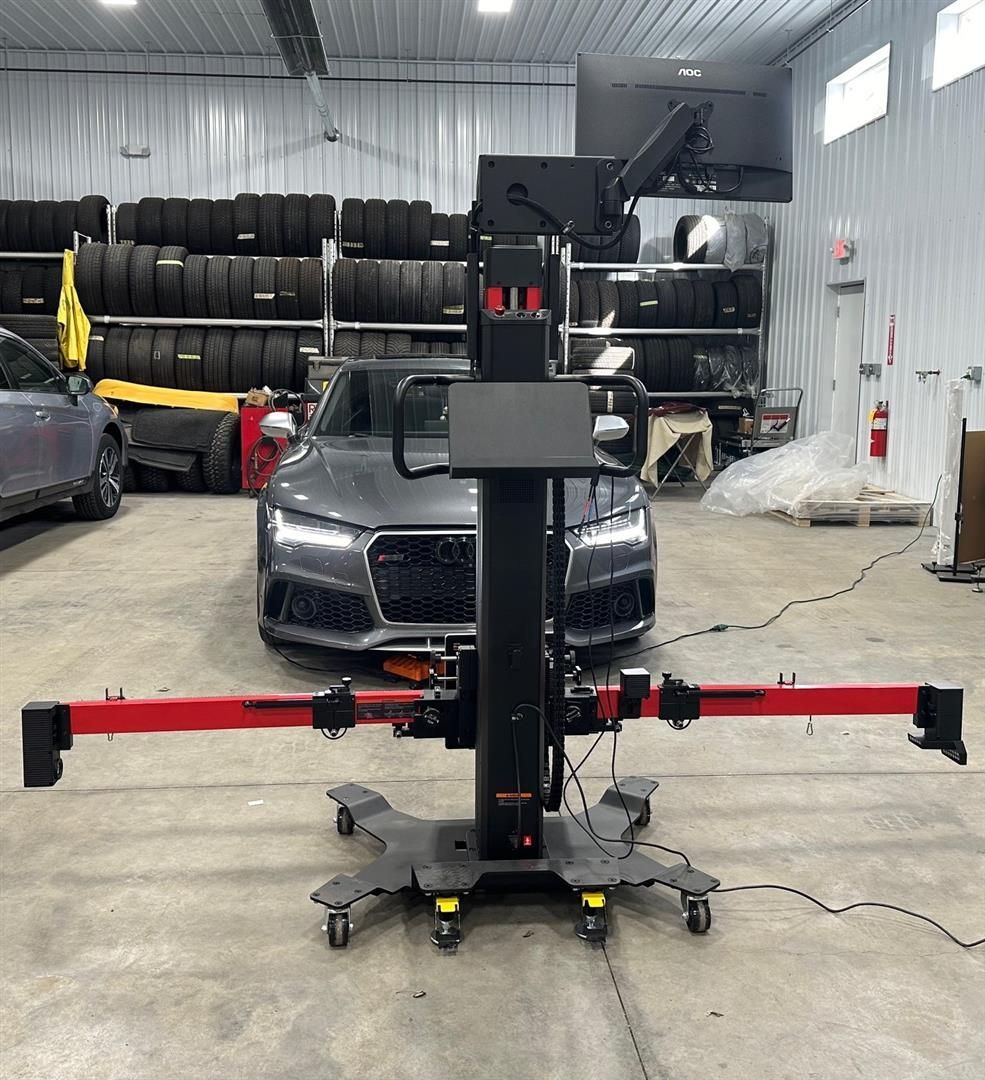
{"x":812,"y":470}
{"x":943,"y":550}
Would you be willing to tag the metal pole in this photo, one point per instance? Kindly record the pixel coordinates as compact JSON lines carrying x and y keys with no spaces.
{"x":328,"y":269}
{"x":636,"y":331}
{"x":318,"y":96}
{"x":160,"y":320}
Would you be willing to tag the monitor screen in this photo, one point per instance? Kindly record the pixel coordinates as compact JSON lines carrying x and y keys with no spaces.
{"x":740,"y":147}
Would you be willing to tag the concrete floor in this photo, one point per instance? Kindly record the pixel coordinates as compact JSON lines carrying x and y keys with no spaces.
{"x":155,"y":912}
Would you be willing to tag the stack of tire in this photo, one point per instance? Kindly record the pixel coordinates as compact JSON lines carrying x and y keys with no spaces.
{"x":216,"y":470}
{"x":40,"y":330}
{"x":249,"y":224}
{"x":30,"y":289}
{"x":670,"y":364}
{"x":46,"y":225}
{"x":395,"y":291}
{"x":682,"y":303}
{"x":147,"y":280}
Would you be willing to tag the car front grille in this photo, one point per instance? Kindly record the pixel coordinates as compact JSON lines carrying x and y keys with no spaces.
{"x":427,"y":578}
{"x":327,"y":609}
{"x":595,"y":610}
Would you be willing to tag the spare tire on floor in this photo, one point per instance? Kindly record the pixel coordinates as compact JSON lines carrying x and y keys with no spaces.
{"x":152,"y":479}
{"x":221,"y":464}
{"x":193,"y":480}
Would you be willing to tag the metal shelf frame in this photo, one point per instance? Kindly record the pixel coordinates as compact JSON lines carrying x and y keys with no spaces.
{"x":761,"y":333}
{"x":333,"y":325}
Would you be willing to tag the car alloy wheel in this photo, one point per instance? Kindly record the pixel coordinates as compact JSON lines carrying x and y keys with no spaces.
{"x":109,"y":479}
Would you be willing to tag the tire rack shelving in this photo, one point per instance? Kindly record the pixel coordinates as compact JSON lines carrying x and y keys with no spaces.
{"x":333,"y":324}
{"x":760,"y":332}
{"x":323,"y":324}
{"x":77,"y":237}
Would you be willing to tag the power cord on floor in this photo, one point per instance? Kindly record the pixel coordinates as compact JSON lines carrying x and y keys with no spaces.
{"x":857,"y":904}
{"x":722,"y":627}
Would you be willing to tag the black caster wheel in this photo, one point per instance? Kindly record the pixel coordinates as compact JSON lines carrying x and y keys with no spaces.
{"x":593,"y":925}
{"x":338,"y":927}
{"x":344,"y":820}
{"x":696,"y":912}
{"x":447,"y":933}
{"x":643,"y":818}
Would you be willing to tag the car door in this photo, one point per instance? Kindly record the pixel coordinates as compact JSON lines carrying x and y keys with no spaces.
{"x":20,"y":451}
{"x":64,"y":430}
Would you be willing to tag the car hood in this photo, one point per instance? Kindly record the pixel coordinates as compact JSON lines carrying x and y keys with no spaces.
{"x":353,"y":480}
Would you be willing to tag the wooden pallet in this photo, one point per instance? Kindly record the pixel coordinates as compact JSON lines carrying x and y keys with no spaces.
{"x":873,"y":506}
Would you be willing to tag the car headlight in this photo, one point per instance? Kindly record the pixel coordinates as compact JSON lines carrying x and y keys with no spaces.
{"x":292,"y":530}
{"x":629,"y":527}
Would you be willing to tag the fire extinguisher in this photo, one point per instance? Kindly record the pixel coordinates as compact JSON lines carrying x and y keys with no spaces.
{"x":878,"y":429}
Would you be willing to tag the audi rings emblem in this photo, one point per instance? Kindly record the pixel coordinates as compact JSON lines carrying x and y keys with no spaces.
{"x":452,"y":552}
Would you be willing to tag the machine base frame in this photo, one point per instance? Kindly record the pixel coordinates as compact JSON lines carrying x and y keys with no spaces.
{"x":440,"y":857}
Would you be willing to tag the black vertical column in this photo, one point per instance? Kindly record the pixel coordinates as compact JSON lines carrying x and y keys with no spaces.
{"x":512,"y":529}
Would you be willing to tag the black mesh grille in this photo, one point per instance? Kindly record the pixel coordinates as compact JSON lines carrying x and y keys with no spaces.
{"x":592,"y":611}
{"x":427,"y":578}
{"x":327,"y":609}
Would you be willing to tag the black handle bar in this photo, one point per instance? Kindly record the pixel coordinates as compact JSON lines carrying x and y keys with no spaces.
{"x":642,"y":417}
{"x":438,"y":468}
{"x":399,"y":397}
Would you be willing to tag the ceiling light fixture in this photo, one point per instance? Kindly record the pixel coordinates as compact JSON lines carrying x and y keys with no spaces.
{"x":495,"y":7}
{"x":119,"y":3}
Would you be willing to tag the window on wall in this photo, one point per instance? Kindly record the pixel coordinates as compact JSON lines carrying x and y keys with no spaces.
{"x":959,"y":46}
{"x":857,"y":96}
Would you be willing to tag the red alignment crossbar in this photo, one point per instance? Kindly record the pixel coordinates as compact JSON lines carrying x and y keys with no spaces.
{"x":383,"y":707}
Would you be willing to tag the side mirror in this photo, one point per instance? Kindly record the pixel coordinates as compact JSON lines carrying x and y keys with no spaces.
{"x":278,"y":425}
{"x":609,"y":428}
{"x":77,"y":386}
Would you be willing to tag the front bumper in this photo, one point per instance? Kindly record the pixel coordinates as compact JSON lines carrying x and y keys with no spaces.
{"x":322,"y":596}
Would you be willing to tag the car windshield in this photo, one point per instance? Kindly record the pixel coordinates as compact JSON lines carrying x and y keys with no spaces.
{"x":361,"y":403}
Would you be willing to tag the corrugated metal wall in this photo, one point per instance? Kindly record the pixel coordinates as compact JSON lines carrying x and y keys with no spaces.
{"x":216,"y":126}
{"x":906,"y":189}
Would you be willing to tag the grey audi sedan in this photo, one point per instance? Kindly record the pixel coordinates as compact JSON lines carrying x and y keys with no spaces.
{"x":57,"y":439}
{"x":353,"y":556}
